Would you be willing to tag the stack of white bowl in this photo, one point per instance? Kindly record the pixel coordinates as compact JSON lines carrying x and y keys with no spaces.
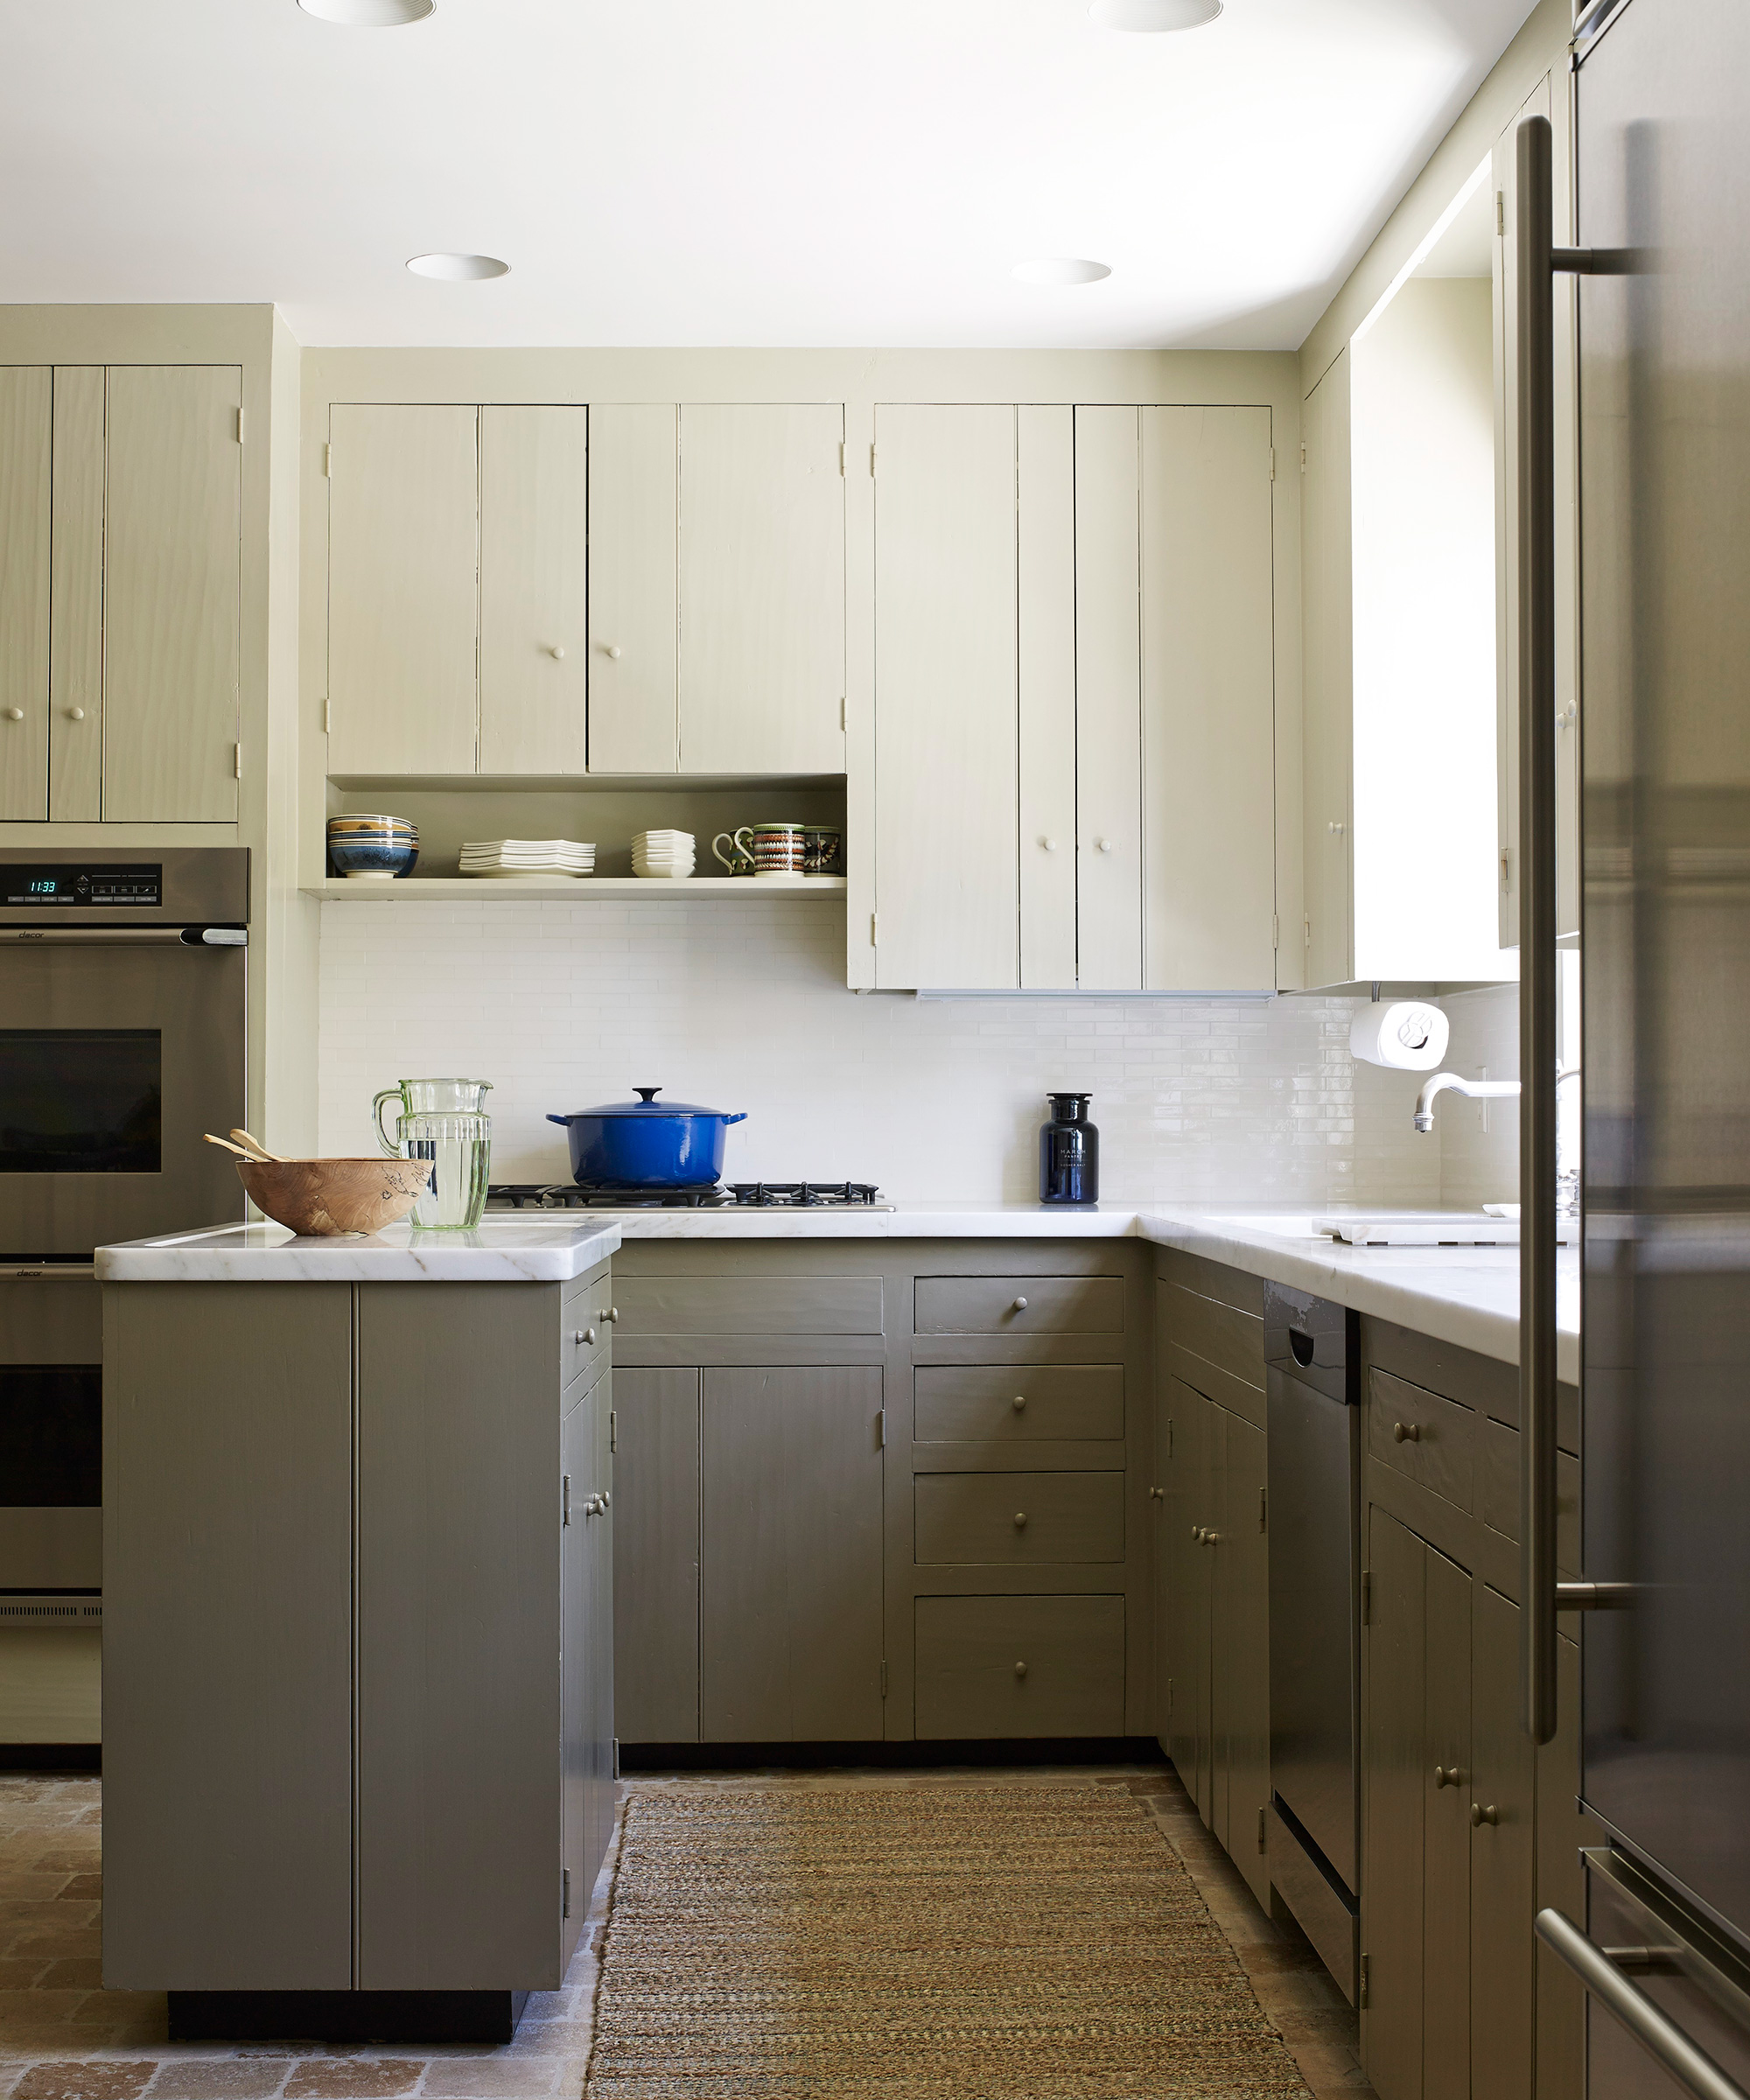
{"x":668,"y":853}
{"x":528,"y":859}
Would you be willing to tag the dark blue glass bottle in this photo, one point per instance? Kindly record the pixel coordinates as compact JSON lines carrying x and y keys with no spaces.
{"x":1069,"y":1153}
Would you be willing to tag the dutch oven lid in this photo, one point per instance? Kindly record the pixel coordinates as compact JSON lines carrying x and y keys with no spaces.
{"x":647,"y":1104}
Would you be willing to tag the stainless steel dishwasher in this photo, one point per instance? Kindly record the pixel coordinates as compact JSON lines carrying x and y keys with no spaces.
{"x":1315,"y":1479}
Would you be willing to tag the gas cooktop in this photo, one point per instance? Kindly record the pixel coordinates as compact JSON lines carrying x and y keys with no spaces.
{"x":714,"y":1195}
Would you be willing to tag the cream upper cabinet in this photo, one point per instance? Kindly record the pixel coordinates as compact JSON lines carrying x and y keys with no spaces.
{"x":761,"y":589}
{"x":533,"y":611}
{"x":947,"y":886}
{"x":1328,"y":811}
{"x":120,"y":591}
{"x":1046,"y":521}
{"x":634,"y":722}
{"x":403,"y":588}
{"x":1208,"y":701}
{"x":172,"y":592}
{"x":27,"y":414}
{"x":1109,"y":663}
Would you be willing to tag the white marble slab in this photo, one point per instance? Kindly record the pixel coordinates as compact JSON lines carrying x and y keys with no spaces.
{"x":506,"y":1250}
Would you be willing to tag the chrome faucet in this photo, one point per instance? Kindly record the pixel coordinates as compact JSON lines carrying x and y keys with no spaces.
{"x":1477,"y":1090}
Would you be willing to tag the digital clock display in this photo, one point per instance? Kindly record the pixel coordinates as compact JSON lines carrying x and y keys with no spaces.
{"x":69,"y":883}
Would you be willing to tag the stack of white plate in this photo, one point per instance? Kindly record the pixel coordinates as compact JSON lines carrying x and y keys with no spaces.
{"x":528,"y":859}
{"x":663,"y":853}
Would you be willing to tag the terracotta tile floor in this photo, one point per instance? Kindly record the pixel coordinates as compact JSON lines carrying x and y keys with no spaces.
{"x":63,"y":2037}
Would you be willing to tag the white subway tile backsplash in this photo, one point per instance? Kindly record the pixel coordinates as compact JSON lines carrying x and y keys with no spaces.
{"x":742,"y":1005}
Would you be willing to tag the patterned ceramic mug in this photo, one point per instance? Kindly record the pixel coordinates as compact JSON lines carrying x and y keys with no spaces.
{"x":740,"y":859}
{"x":778,"y":851}
{"x":820,"y":849}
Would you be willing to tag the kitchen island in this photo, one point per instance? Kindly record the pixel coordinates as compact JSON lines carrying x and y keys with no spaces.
{"x":358,"y":1648}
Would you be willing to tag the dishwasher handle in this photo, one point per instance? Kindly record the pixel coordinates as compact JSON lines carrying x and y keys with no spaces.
{"x":1303,"y":1347}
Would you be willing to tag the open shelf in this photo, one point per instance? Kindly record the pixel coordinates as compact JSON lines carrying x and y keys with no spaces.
{"x":444,"y":889}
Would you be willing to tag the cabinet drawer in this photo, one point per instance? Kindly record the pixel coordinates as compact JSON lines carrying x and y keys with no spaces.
{"x":1019,"y":1305}
{"x":997,"y":1666}
{"x":749,"y":1305}
{"x":1419,"y":1433}
{"x":1500,"y":1493}
{"x":1222,"y":1335}
{"x":584,"y":1336}
{"x":1017,"y":1520}
{"x":979,"y":1404}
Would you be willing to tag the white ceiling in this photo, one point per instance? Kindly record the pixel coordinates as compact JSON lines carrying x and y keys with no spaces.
{"x":723,"y":171}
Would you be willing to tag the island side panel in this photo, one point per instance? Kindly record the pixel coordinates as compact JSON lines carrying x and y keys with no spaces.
{"x":227,"y":1516}
{"x":460,"y":1846}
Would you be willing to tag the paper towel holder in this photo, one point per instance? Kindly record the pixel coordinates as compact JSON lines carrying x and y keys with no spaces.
{"x":1409,"y":1035}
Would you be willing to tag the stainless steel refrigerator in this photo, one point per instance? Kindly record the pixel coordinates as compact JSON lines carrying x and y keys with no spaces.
{"x":1662,"y":162}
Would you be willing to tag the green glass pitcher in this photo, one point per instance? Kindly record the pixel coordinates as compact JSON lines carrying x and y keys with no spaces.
{"x":429,"y":1097}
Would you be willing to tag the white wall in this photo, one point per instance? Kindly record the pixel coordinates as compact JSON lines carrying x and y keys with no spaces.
{"x":1479,"y":1140}
{"x":743,"y":1006}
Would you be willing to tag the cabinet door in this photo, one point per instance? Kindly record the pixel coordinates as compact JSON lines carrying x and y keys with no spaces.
{"x":1395,"y":1789}
{"x":1161,"y":1543}
{"x":1187,"y":1514}
{"x":172,"y":584}
{"x":1208,"y":701}
{"x":1502,"y":1857}
{"x":1046,"y":522}
{"x":76,"y":599}
{"x":1446,"y":1835}
{"x":1109,"y":659}
{"x":577,"y":1672}
{"x":657,"y":1548}
{"x":533,"y":555}
{"x":1328,"y":626}
{"x":404,"y":585}
{"x":762,"y":589}
{"x":27,"y":423}
{"x":634,"y":725}
{"x":946,"y":737}
{"x":1240,"y":1648}
{"x":601,"y":1532}
{"x":791,"y":1559}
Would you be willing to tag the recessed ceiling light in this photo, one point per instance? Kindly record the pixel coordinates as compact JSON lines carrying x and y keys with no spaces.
{"x":458,"y":270}
{"x":1062,"y":269}
{"x":369,"y":14}
{"x":1154,"y":14}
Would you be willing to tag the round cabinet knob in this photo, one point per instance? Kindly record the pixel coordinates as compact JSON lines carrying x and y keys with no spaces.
{"x":607,"y":1499}
{"x":589,"y":1336}
{"x":1020,"y":1670}
{"x":612,"y":1315}
{"x":1156,"y":1495}
{"x":1448,"y":1776}
{"x":1197,"y":1535}
{"x":558,"y":654}
{"x":1104,"y":844}
{"x":1406,"y":1433}
{"x":15,"y":714}
{"x":1020,"y":1304}
{"x":1018,"y":1402}
{"x":1337,"y":830}
{"x":1481,"y":1815}
{"x":1212,"y":1538}
{"x":584,"y":1337}
{"x":1020,"y":1520}
{"x":1050,"y":844}
{"x":75,"y":714}
{"x":611,"y":648}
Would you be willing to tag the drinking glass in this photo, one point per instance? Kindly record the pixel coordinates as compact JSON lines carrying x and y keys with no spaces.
{"x":459,"y":1148}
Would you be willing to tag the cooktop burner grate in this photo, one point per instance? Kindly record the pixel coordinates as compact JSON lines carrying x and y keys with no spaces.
{"x":715,"y":1195}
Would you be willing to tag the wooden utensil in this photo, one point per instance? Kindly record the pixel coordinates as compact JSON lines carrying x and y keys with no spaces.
{"x":256,"y":1150}
{"x":225,"y":1144}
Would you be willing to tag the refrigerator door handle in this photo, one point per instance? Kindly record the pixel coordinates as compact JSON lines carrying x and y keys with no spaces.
{"x":1535,"y":371}
{"x":1661,"y":2038}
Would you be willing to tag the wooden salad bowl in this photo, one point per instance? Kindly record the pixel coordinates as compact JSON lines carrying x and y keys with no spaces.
{"x":318,"y":1198}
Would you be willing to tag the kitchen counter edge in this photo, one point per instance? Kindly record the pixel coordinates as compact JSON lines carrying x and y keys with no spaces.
{"x":551,"y":1252}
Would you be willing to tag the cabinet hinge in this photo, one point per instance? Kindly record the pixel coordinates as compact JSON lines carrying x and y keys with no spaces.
{"x":565,"y":1891}
{"x":1263,"y":1842}
{"x":884,"y":1676}
{"x":844,"y":713}
{"x":1275,"y":929}
{"x":240,"y":426}
{"x":1307,"y":925}
{"x":841,"y":456}
{"x":1507,"y":867}
{"x":1361,"y":1991}
{"x":1501,"y":211}
{"x":1272,"y":463}
{"x":327,"y":463}
{"x":1169,"y":1440}
{"x":1263,"y":1509}
{"x":565,"y":1499}
{"x":880,"y":1428}
{"x":1303,"y":455}
{"x":237,"y":758}
{"x":874,"y":929}
{"x":871,"y":462}
{"x":1366,"y":1598}
{"x":327,"y":717}
{"x":1169,"y":1696}
{"x":612,"y":1429}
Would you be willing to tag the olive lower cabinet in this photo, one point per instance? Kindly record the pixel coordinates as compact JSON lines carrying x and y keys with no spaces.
{"x":358,"y":1650}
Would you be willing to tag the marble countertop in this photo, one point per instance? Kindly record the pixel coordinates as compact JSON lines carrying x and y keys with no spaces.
{"x":551,"y":1249}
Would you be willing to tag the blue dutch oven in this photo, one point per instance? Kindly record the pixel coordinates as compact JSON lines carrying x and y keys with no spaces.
{"x":643,"y":1143}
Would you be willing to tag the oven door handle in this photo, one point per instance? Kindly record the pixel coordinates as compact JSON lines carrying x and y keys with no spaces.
{"x":125,"y":936}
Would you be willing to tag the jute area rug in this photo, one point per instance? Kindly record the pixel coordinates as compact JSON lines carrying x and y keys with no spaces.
{"x":952,"y":1942}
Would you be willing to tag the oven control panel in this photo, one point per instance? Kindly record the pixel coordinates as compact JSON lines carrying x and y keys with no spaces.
{"x":50,"y":883}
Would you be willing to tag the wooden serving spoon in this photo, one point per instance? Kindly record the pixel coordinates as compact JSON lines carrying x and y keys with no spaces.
{"x":257,"y":1149}
{"x":225,"y":1144}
